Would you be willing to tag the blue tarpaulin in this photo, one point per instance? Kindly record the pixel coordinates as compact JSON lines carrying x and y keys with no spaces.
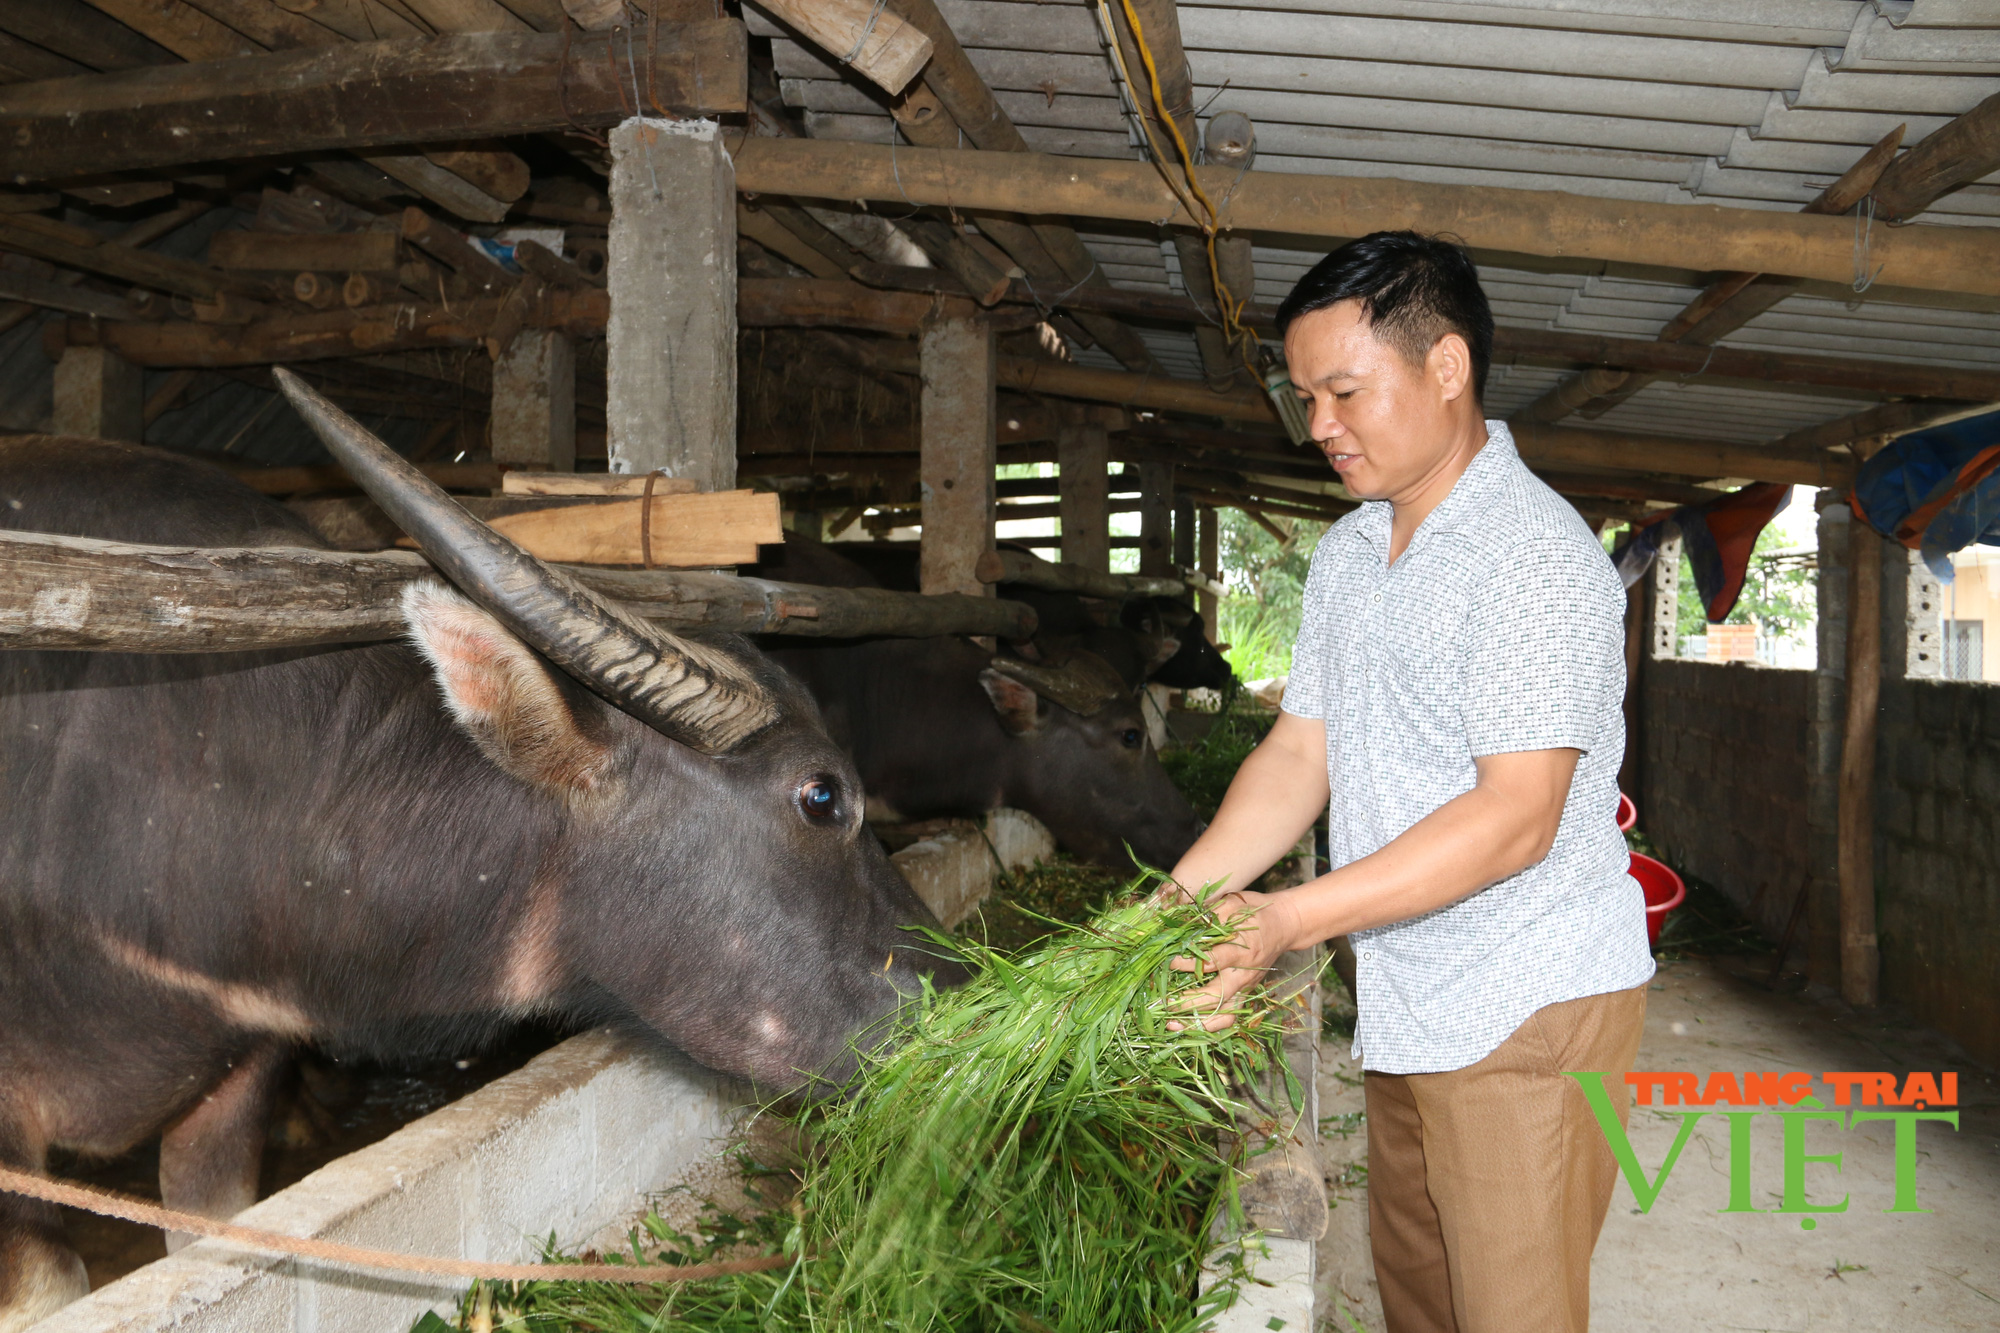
{"x":1936,"y":490}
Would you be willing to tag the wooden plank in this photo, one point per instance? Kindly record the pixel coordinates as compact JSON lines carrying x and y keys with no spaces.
{"x":1328,"y":208}
{"x":52,"y":295}
{"x":293,"y":252}
{"x":884,"y":49}
{"x":358,"y":96}
{"x":79,"y":594}
{"x":79,"y":32}
{"x":958,"y":452}
{"x":688,"y":531}
{"x":570,"y":483}
{"x":182,"y":29}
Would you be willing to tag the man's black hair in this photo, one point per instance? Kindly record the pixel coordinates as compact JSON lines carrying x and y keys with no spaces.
{"x":1413,"y":290}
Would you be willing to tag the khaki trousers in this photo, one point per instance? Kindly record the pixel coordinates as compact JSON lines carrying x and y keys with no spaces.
{"x":1487,"y":1185}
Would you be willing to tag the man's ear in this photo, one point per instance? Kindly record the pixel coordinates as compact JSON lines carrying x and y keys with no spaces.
{"x":1019,"y":707}
{"x":1450,"y":363}
{"x":501,"y":694}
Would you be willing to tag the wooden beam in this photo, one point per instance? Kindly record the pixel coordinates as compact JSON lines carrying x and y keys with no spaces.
{"x":1961,"y":152}
{"x":1729,"y":302}
{"x":1865,"y":432}
{"x":959,"y":442}
{"x":364,"y":95}
{"x":1630,"y":452}
{"x":1083,"y":459}
{"x":1697,"y":361}
{"x":1860,"y":958}
{"x":79,"y":248}
{"x":883,"y":47}
{"x":1064,"y":576}
{"x":79,"y":594}
{"x":1963,"y":260}
{"x":293,"y":252}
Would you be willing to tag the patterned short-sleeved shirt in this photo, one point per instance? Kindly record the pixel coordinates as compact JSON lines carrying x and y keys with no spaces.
{"x":1499,"y":629}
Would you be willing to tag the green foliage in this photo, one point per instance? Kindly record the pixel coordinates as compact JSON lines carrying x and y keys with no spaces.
{"x":1266,"y":579}
{"x":1204,"y":770}
{"x":1028,"y":905}
{"x":1036,"y":1154}
{"x":1782,"y":601}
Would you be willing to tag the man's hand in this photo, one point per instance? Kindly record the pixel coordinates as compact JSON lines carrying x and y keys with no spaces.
{"x":1269,"y":929}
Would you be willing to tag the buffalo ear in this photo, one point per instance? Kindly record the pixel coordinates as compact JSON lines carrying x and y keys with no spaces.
{"x":502,"y":695}
{"x":1019,"y":707}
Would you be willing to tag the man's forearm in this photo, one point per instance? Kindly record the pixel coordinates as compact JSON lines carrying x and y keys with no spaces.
{"x":1499,"y":828}
{"x":1276,"y":796}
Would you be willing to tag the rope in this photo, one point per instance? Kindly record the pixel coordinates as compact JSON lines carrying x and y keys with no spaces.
{"x":106,"y":1204}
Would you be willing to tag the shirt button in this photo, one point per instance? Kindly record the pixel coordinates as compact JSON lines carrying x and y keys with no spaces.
{"x":1376,"y":597}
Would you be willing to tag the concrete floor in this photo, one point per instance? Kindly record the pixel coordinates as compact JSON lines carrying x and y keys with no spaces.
{"x":1685,"y":1266}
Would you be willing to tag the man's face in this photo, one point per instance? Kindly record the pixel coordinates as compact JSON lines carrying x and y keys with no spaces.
{"x":1384,"y":422}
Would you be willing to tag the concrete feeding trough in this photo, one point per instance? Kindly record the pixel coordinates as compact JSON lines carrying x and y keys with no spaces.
{"x":572,"y":1143}
{"x":578,"y":1142}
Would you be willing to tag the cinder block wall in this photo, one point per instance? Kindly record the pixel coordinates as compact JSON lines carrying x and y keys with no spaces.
{"x":1724,"y":795}
{"x":1937,"y":856}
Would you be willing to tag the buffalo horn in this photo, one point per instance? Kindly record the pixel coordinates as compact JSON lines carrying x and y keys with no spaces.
{"x":689,"y":691}
{"x":1083,"y":684}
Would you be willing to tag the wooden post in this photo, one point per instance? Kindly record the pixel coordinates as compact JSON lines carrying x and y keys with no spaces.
{"x":1156,"y":512}
{"x":1860,"y":960}
{"x":534,"y":402}
{"x":1083,"y":488}
{"x":1208,"y":541}
{"x":98,"y":393}
{"x":960,"y":399}
{"x":671,"y":336}
{"x":1184,"y":531}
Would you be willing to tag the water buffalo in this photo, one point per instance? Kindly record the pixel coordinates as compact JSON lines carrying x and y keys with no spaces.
{"x":944,"y":727}
{"x":396,"y":848}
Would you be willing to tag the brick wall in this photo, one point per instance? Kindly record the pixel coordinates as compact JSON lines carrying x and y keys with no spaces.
{"x":1724,"y":795}
{"x":1937,"y":855}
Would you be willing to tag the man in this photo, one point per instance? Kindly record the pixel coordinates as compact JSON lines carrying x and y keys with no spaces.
{"x":1454,"y":706}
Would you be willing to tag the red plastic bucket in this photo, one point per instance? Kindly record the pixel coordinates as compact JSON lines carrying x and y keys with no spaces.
{"x":1664,"y":892}
{"x":1628,"y":813}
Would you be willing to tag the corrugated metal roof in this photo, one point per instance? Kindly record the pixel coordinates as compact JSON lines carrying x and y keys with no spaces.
{"x":1681,"y":101}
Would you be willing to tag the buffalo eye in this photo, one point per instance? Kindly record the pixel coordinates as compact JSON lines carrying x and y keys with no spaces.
{"x":1132,"y":737}
{"x":819,"y":798}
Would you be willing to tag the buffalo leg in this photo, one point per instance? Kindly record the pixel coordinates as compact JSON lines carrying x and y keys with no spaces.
{"x":210,"y":1155}
{"x":39,"y":1272}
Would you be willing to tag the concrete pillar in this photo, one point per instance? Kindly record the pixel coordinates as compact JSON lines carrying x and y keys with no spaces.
{"x":1156,"y":516}
{"x":534,"y":402}
{"x":957,"y":365}
{"x":1208,"y":552}
{"x":98,"y":393}
{"x":1912,"y":616}
{"x":671,"y":342}
{"x":1663,"y":601}
{"x":1083,"y":462}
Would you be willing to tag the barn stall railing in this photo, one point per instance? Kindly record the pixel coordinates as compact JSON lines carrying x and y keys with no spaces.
{"x":78,"y":593}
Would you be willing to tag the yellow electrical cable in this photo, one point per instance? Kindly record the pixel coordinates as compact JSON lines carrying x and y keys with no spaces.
{"x":1243,"y":340}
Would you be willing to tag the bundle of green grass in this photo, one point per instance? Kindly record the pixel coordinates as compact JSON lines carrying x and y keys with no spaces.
{"x":1039,"y":1152}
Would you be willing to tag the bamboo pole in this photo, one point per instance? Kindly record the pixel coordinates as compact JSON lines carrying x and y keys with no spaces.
{"x":1860,"y":959}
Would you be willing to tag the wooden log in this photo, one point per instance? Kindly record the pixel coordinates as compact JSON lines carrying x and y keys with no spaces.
{"x":598,"y":485}
{"x":79,"y":248}
{"x":1628,"y":452}
{"x":1860,"y":957}
{"x":552,"y":268}
{"x":1963,"y":151}
{"x":1865,"y":432}
{"x":448,"y":246}
{"x":695,"y":530}
{"x":76,"y":593}
{"x":52,"y":295}
{"x":1498,"y":218}
{"x":292,"y":252}
{"x":498,"y":175}
{"x":875,"y":43}
{"x":358,"y":96}
{"x":1061,"y":576}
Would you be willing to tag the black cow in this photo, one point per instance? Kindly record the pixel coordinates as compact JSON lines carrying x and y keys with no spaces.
{"x":395,"y":849}
{"x":944,"y":727}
